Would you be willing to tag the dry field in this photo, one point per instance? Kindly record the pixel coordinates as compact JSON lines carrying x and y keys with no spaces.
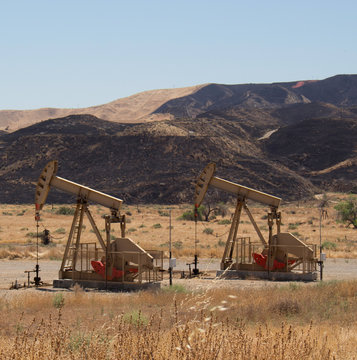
{"x":278,"y":322}
{"x":187,"y":321}
{"x":148,"y":225}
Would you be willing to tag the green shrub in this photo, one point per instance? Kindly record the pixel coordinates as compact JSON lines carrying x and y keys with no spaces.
{"x":328,"y":245}
{"x":131,"y":229}
{"x":157,"y":226}
{"x":163,"y":213}
{"x":208,"y":231}
{"x":190,"y":214}
{"x":176,"y":288}
{"x":31,"y":234}
{"x":224,"y":222}
{"x":136,"y":318}
{"x":221,"y":243}
{"x":177,"y":244}
{"x":58,"y":301}
{"x":60,"y":231}
{"x":65,"y":210}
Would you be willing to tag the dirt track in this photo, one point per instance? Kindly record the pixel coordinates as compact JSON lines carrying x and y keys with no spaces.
{"x":12,"y":270}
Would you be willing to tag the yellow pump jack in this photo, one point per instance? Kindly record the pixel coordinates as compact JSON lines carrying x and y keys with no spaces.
{"x":282,"y":256}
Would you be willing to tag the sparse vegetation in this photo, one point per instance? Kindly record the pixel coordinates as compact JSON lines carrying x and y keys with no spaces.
{"x":208,"y":231}
{"x":157,"y":226}
{"x":329,"y":245}
{"x":32,"y":234}
{"x":315,"y":322}
{"x":150,"y":237}
{"x":221,"y":243}
{"x":177,"y":245}
{"x":224,"y":222}
{"x":163,"y":213}
{"x":65,"y":210}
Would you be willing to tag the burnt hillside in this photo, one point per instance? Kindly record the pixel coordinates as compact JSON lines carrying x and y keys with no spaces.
{"x":154,"y":162}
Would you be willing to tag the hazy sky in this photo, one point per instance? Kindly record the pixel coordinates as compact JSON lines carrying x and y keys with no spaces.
{"x":79,"y":53}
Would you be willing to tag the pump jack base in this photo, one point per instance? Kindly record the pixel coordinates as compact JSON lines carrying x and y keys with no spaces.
{"x":110,"y":285}
{"x":266,"y":275}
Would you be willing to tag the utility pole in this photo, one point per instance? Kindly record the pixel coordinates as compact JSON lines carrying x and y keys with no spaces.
{"x":170,"y":253}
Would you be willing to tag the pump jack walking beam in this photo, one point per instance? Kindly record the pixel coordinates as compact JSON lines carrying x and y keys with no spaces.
{"x":48,"y":178}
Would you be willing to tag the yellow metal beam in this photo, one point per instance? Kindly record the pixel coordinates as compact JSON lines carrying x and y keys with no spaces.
{"x":48,"y":178}
{"x":207,"y":179}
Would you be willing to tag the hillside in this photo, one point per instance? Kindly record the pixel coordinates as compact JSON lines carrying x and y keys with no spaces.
{"x":339,"y":91}
{"x":323,"y":150}
{"x":291,"y":140}
{"x":132,"y":109}
{"x":153,"y":162}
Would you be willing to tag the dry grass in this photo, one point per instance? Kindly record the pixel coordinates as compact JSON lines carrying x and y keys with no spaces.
{"x":298,"y":322}
{"x":17,"y":225}
{"x":314,"y":321}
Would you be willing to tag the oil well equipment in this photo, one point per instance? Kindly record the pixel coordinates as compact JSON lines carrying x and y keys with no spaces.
{"x":115,"y":263}
{"x":282,"y":256}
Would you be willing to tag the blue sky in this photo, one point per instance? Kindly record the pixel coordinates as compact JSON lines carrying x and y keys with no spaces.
{"x":76,"y":53}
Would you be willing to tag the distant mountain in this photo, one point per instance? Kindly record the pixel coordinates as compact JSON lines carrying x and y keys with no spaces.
{"x":190,"y":102}
{"x":133,"y":109}
{"x":340,"y":90}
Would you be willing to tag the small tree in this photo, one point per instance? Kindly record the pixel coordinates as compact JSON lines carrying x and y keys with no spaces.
{"x":214,"y":209}
{"x":347,"y":211}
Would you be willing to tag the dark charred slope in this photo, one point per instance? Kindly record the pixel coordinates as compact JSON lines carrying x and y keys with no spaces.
{"x":323,"y":150}
{"x":155,"y":162}
{"x":339,"y":90}
{"x":216,"y":96}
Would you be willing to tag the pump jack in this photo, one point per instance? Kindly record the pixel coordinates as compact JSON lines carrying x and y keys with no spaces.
{"x":282,"y":253}
{"x":118,"y":260}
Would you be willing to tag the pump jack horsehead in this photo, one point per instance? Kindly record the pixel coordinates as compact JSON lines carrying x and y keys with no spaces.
{"x":118,"y":260}
{"x":282,"y":252}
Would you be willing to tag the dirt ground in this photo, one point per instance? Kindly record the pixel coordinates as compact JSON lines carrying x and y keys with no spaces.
{"x":13,"y":270}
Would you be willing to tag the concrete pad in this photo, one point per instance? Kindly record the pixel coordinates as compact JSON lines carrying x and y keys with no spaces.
{"x":266,"y":275}
{"x":110,"y":285}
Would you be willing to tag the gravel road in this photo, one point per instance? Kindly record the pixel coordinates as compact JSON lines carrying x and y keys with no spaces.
{"x":12,"y":270}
